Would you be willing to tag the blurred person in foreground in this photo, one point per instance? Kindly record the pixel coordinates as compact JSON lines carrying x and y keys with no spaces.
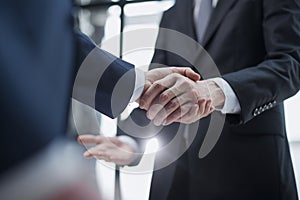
{"x":256,"y":47}
{"x":40,"y":55}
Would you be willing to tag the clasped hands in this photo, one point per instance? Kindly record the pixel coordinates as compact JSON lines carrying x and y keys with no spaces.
{"x":176,"y":94}
{"x":170,"y":95}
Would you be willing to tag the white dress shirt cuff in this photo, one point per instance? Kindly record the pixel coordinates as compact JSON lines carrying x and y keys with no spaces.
{"x":231,"y":104}
{"x":139,"y":84}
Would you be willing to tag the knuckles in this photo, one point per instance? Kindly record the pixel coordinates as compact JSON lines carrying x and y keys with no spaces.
{"x":184,"y":85}
{"x":172,"y":104}
{"x":195,"y":93}
{"x":165,"y":96}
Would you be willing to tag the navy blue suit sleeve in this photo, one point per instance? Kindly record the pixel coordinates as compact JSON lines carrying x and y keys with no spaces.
{"x":102,"y":81}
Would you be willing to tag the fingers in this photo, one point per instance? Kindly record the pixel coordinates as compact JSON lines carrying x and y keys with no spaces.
{"x":109,"y":149}
{"x":108,"y":154}
{"x":195,"y":112}
{"x":204,"y":109}
{"x":146,"y":87}
{"x":208,"y":108}
{"x":164,"y":102}
{"x":116,"y":141}
{"x":180,"y":93}
{"x":148,"y":97}
{"x":190,"y":116}
{"x":159,"y":114}
{"x":154,"y":90}
{"x":188,"y":72}
{"x":98,"y":139}
{"x":179,"y":102}
{"x":102,"y":145}
{"x":177,"y":114}
{"x":157,"y":78}
{"x":117,"y":155}
{"x":91,"y":139}
{"x":99,"y":151}
{"x":189,"y":98}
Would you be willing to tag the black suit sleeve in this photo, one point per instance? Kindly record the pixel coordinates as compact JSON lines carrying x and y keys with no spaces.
{"x":261,"y":87}
{"x":102,"y":81}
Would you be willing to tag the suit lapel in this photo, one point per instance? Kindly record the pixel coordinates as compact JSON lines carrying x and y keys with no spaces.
{"x":223,"y":7}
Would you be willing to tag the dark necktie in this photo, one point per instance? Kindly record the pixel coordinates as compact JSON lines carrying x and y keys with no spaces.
{"x":203,"y":18}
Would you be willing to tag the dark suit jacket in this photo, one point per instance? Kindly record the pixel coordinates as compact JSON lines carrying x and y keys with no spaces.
{"x":256,"y":46}
{"x":39,"y":57}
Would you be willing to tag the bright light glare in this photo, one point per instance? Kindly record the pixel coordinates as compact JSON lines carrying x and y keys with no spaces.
{"x":152,"y":146}
{"x":135,"y":185}
{"x":292,"y":109}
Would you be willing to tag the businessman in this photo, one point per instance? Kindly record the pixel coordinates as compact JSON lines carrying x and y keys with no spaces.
{"x":40,"y":56}
{"x":256,"y":46}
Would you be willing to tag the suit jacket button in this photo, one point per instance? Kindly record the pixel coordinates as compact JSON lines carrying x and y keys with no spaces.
{"x":265,"y":108}
{"x":270,"y":105}
{"x":255,"y":112}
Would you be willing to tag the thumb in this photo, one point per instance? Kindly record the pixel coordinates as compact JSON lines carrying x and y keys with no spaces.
{"x":188,"y":72}
{"x":146,"y":87}
{"x":116,"y":141}
{"x":192,"y":75}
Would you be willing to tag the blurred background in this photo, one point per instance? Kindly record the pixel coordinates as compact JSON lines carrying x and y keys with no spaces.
{"x":104,"y":20}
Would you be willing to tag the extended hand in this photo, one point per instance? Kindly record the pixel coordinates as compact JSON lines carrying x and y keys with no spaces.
{"x":109,"y":149}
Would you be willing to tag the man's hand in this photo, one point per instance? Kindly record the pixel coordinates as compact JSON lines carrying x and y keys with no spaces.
{"x":176,"y":98}
{"x":160,"y":73}
{"x":109,"y":149}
